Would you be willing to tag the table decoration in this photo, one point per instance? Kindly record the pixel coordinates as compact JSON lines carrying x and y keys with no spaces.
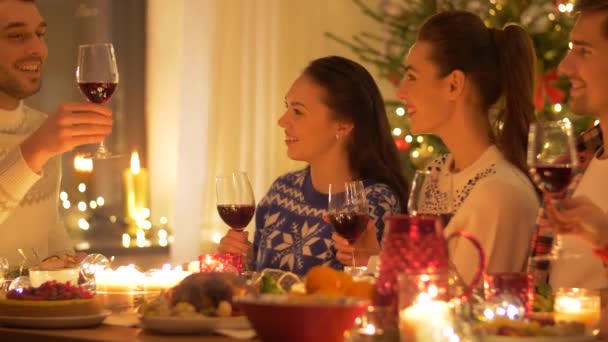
{"x":577,"y":305}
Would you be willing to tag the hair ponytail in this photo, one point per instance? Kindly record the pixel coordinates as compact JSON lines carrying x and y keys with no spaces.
{"x":517,"y":63}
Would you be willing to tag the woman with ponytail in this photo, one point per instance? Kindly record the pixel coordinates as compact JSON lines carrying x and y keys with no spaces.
{"x":473,"y":87}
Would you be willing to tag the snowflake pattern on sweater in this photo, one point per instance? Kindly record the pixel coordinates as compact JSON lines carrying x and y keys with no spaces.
{"x":291,"y":234}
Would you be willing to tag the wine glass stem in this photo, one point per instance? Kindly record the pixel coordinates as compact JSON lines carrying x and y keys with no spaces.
{"x":558,"y":244}
{"x":102,"y":147}
{"x":353,"y":255}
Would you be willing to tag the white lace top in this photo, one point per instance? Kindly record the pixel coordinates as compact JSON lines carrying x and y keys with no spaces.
{"x":494,"y":201}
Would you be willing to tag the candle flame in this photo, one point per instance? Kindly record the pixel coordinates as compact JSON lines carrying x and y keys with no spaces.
{"x":135,"y":167}
{"x":82,"y":164}
{"x":370,"y":329}
{"x":423,"y":298}
{"x":569,"y":304}
{"x":433,"y":291}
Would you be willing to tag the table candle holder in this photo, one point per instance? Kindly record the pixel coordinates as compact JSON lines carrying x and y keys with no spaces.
{"x":518,"y":284}
{"x":377,"y":323}
{"x":424,"y":312}
{"x":221,"y":262}
{"x":578,"y":305}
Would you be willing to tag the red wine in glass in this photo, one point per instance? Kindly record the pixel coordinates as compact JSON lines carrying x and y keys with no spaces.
{"x":97,"y":78}
{"x":553,"y":179}
{"x":552,"y":164}
{"x":97,"y":92}
{"x":236,"y":216}
{"x":445,"y":218}
{"x":349,"y":225}
{"x":347,"y":211}
{"x":235,"y":202}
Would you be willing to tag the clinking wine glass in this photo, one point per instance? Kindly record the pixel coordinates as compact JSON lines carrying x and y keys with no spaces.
{"x":97,"y":77}
{"x":552,"y":163}
{"x":431,"y":195}
{"x":347,"y":211}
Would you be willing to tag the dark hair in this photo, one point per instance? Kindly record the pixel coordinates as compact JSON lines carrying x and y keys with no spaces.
{"x":500,"y":64}
{"x":351,"y":94}
{"x":593,"y":6}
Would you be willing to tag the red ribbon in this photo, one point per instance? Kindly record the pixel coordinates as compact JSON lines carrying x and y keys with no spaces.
{"x":546,"y":89}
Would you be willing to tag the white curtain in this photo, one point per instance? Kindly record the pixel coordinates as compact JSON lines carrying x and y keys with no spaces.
{"x":217,"y":73}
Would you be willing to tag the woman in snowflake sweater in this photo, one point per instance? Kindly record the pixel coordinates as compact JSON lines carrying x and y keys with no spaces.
{"x":335,"y":121}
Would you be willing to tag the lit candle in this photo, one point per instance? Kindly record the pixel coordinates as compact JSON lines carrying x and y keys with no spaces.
{"x":119,"y":290}
{"x":123,"y":279}
{"x":577,"y":305}
{"x":426,"y":320}
{"x":165,"y":278}
{"x":136,"y":192}
{"x":83,"y":168}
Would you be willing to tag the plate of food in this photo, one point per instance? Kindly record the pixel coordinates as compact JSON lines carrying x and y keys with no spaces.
{"x":51,"y":305}
{"x":504,"y":330}
{"x":201,"y":303}
{"x":61,"y":322}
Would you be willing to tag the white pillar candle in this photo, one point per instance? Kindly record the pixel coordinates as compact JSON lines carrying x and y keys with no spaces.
{"x":427,"y":320}
{"x":165,"y":278}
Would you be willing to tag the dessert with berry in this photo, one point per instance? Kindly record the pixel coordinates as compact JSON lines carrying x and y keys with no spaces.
{"x":51,"y":299}
{"x":61,"y":268}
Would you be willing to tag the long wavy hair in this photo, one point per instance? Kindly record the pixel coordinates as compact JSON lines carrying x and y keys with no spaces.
{"x":352,"y":95}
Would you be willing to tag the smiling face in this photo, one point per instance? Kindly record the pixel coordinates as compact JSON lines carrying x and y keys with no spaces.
{"x":423,"y":92}
{"x":22,"y":51}
{"x":586,"y":65}
{"x":310,"y":130}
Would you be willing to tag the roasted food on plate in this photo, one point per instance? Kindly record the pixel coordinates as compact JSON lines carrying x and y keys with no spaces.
{"x":208,"y":294}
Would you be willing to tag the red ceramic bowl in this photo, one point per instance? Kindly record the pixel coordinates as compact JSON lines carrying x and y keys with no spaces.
{"x":298,"y":318}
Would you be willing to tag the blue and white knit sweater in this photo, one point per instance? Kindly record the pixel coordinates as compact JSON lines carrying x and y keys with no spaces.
{"x":290,"y":232}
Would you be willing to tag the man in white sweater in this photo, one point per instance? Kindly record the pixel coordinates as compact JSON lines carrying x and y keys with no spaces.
{"x":586,"y":65}
{"x":31,"y":142}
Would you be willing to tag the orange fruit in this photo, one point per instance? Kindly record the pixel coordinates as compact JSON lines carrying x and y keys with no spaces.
{"x":361,"y":289}
{"x":322,"y":277}
{"x":328,"y":292}
{"x":346,"y":280}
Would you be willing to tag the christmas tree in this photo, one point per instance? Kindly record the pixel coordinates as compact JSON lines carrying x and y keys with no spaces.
{"x":547,"y":21}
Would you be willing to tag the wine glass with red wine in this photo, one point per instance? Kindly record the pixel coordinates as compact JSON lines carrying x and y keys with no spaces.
{"x":425,"y":186}
{"x":235,"y":201}
{"x":552,"y":163}
{"x":347,"y":211}
{"x":97,"y":77}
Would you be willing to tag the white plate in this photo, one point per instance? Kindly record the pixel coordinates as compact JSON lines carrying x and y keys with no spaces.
{"x":54,"y":322}
{"x":490,"y":338}
{"x":192,"y":325}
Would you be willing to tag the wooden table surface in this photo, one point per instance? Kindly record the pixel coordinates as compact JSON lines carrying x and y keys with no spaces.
{"x":102,"y":333}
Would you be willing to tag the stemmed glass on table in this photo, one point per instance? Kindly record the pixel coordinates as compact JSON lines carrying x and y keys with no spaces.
{"x":97,"y":77}
{"x":552,"y":163}
{"x":347,"y":211}
{"x":235,"y":201}
{"x":426,"y":185}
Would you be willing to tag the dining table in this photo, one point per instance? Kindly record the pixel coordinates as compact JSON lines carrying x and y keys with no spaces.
{"x":104,"y":333}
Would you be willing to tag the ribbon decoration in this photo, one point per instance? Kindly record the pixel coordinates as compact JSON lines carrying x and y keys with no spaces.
{"x":546,"y":90}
